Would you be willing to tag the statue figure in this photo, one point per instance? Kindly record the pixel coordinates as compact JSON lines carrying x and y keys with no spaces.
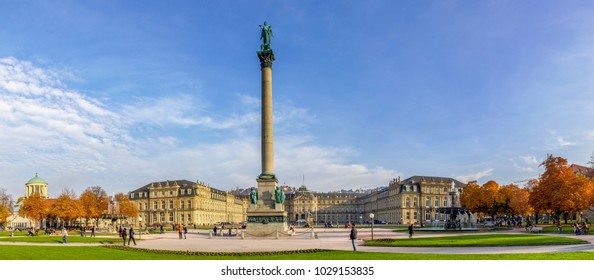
{"x":277,"y":195}
{"x":254,"y":196}
{"x":266,"y":35}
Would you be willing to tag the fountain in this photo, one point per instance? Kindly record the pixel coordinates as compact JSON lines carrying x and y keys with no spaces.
{"x":457,"y":217}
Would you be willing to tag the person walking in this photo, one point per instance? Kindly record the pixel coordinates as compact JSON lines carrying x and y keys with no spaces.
{"x":161,"y":228}
{"x":124,"y":235}
{"x":131,"y":237}
{"x":353,"y":237}
{"x":180,"y":231}
{"x":64,"y":235}
{"x":215,"y":230}
{"x":411,"y":230}
{"x":92,"y":231}
{"x":185,"y":231}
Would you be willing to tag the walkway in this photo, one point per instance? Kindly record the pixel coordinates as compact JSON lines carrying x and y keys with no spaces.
{"x":332,"y":239}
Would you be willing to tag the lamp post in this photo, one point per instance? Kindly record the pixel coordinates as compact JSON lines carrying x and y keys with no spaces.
{"x":371,"y":217}
{"x":140,"y":229}
{"x":361,"y":219}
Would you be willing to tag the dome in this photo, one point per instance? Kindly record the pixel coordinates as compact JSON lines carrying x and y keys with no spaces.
{"x":36,"y":180}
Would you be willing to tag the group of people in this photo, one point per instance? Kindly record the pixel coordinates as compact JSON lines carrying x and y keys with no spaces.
{"x":578,"y":229}
{"x":182,"y":230}
{"x":127,"y":234}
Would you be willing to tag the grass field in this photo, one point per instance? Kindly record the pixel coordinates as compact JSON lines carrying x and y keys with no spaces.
{"x":15,"y":252}
{"x":58,"y":239}
{"x":482,"y":240}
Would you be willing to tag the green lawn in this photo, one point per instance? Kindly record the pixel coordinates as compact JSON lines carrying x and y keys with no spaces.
{"x":58,"y":239}
{"x":15,"y":252}
{"x":482,"y":240}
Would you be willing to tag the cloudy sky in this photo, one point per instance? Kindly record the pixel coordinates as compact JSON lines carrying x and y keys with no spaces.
{"x":122,"y":93}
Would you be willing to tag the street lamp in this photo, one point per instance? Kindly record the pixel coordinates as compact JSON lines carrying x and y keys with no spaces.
{"x":140,"y":229}
{"x":371,"y":217}
{"x":361,"y":219}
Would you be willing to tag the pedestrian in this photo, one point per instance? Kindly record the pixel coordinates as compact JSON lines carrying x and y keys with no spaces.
{"x":353,"y":236}
{"x":161,"y":228}
{"x":64,"y":235}
{"x":131,"y":236}
{"x":180,"y":231}
{"x":124,"y":236}
{"x":411,"y":230}
{"x":185,"y":231}
{"x":93,"y":231}
{"x":215,"y":230}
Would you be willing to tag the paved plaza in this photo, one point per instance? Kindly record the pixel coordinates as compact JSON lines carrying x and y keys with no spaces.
{"x":332,"y":239}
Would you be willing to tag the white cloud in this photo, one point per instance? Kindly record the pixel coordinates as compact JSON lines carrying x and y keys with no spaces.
{"x":76,"y":141}
{"x":526,"y":163}
{"x":474,"y":176}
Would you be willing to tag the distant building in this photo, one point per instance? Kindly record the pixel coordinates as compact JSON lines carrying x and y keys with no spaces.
{"x":34,"y":185}
{"x":413,"y":200}
{"x":586,"y":171}
{"x":186,"y":202}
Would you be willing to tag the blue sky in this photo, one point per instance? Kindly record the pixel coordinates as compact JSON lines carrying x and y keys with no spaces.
{"x":122,"y":93}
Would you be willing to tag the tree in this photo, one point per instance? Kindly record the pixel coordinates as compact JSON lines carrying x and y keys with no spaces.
{"x":126,"y":206}
{"x":591,"y":162}
{"x":35,"y":208}
{"x":94,"y":202}
{"x":6,"y":203}
{"x":519,"y":202}
{"x":559,"y":190}
{"x":67,"y":207}
{"x":470,"y":197}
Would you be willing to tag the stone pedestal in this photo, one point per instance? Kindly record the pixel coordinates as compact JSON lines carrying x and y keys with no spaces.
{"x":266,"y":219}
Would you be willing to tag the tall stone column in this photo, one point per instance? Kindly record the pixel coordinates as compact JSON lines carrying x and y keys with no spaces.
{"x":267,"y":181}
{"x":266,"y":216}
{"x":266,"y":59}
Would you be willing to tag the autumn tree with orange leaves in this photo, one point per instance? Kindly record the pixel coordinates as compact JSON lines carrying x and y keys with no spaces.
{"x":126,"y":206}
{"x":35,"y":208}
{"x":559,"y":190}
{"x":67,"y":207}
{"x":94,"y":202}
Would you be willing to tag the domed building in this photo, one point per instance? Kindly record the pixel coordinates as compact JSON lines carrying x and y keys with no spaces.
{"x":36,"y":185}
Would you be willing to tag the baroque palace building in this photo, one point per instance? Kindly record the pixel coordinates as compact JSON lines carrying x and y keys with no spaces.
{"x":413,"y":200}
{"x":186,"y":202}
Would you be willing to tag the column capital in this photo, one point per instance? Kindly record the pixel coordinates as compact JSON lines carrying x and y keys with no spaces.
{"x":266,"y":58}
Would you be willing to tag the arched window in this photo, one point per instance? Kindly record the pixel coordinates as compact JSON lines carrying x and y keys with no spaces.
{"x":408,"y":202}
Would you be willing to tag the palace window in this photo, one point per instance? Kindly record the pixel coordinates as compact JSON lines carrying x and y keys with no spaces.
{"x":131,"y":195}
{"x":427,"y":189}
{"x":427,"y":201}
{"x":139,"y":207}
{"x":181,"y":217}
{"x":171,"y":217}
{"x":445,"y":203}
{"x":163,"y":204}
{"x":162,"y":217}
{"x":171,"y":204}
{"x":415,"y":215}
{"x":189,"y":204}
{"x":407,"y":215}
{"x":407,"y":202}
{"x":437,"y":202}
{"x":182,"y":205}
{"x":189,"y":217}
{"x":415,"y":204}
